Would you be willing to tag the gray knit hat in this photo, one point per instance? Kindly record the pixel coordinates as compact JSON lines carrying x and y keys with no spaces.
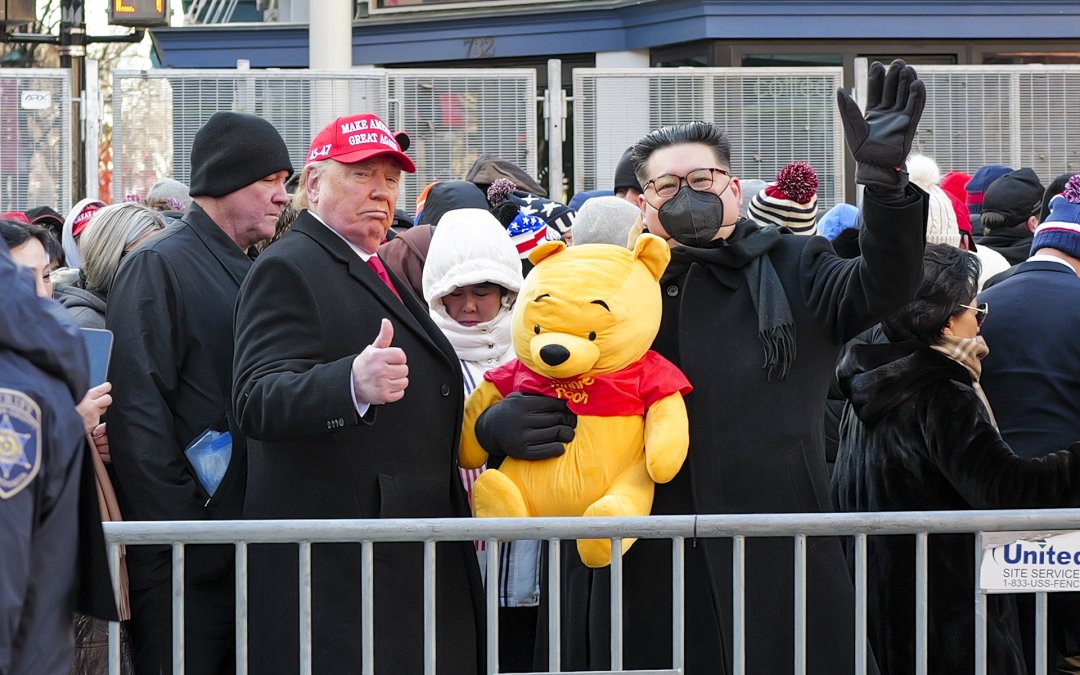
{"x":604,"y":220}
{"x":168,"y":189}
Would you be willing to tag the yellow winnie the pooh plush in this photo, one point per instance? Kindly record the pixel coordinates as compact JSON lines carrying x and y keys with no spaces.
{"x":582,"y":326}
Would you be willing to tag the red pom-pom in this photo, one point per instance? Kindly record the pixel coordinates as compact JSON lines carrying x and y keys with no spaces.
{"x":1072,"y":189}
{"x":798,"y":181}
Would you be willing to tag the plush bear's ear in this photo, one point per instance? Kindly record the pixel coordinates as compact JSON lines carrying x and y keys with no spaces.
{"x":548,"y":248}
{"x":654,"y":252}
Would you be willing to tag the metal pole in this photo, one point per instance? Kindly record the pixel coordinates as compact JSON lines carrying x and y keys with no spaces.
{"x":1041,"y":659}
{"x":330,"y":34}
{"x":554,"y":606}
{"x":678,"y":594}
{"x":738,"y":592}
{"x":492,"y":581}
{"x":980,"y":610}
{"x":860,"y":605}
{"x":241,"y":608}
{"x":429,"y":608}
{"x":305,"y":608}
{"x":800,"y":605}
{"x":616,"y":605}
{"x":91,"y":101}
{"x":555,"y":112}
{"x":922,"y":603}
{"x":178,"y":608}
{"x":73,"y":58}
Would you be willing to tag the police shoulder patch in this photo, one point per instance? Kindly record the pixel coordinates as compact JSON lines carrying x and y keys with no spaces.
{"x":20,"y":441}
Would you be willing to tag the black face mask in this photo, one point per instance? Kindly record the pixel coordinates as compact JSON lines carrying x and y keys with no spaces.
{"x":692,"y":218}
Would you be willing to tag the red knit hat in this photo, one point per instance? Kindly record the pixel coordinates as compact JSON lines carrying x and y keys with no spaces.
{"x":954,"y":183}
{"x":963,"y":220}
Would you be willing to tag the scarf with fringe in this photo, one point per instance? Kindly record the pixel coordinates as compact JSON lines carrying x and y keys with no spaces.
{"x":968,"y":352}
{"x":747,"y":249}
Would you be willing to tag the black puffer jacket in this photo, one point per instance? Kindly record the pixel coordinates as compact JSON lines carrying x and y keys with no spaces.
{"x":915,"y":438}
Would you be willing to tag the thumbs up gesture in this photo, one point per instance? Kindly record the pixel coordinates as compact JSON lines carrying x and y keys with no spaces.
{"x":380,"y":373}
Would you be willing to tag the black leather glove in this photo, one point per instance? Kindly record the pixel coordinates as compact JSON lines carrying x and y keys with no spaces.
{"x":881,"y":141}
{"x":526,"y":426}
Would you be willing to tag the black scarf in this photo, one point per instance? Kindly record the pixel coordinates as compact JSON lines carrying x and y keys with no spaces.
{"x":747,"y":249}
{"x":1012,"y":242}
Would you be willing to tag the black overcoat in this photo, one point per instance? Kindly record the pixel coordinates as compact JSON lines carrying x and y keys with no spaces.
{"x":170,"y":310}
{"x":916,"y":437}
{"x":308,"y":307}
{"x":756,"y":446}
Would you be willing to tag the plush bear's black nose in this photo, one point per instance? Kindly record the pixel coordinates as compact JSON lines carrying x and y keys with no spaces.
{"x":553,"y":355}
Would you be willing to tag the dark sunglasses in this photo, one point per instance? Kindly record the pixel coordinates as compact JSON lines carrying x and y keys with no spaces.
{"x":981,"y":310}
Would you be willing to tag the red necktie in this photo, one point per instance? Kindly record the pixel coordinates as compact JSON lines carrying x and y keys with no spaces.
{"x":377,"y":266}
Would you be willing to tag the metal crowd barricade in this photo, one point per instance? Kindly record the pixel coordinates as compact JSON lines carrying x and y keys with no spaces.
{"x":305,"y":533}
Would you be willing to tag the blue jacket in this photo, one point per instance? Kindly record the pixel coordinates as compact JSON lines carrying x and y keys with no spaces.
{"x":1032,"y":374}
{"x":49,"y":522}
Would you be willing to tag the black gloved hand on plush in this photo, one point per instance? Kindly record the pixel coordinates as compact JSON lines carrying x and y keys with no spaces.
{"x":881,"y":141}
{"x":526,"y":426}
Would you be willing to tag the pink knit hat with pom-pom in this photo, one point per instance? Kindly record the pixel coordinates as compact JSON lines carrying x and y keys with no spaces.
{"x":790,"y":202}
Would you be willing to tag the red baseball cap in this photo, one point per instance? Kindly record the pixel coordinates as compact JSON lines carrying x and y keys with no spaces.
{"x":17,"y":216}
{"x":355,"y":138}
{"x":79,"y":216}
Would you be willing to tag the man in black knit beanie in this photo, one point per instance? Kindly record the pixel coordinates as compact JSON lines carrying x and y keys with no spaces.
{"x":171,"y":311}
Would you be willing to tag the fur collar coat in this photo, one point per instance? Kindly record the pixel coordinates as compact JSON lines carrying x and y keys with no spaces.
{"x":916,"y":437}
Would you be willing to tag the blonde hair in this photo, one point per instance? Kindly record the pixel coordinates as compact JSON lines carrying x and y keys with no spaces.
{"x":299,"y":199}
{"x":108,"y":235}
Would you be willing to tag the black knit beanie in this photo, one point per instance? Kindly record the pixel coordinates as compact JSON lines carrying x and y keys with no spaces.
{"x":624,"y":172}
{"x":233,"y":150}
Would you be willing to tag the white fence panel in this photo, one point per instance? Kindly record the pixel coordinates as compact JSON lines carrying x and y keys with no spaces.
{"x":1025,"y":115}
{"x":773,"y":116}
{"x":452,"y":115}
{"x":157,"y":112}
{"x":35,"y":139}
{"x":455,"y":115}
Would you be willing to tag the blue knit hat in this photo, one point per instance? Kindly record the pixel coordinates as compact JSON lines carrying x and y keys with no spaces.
{"x":976,"y":187}
{"x":1061,"y":230}
{"x":837,"y":219}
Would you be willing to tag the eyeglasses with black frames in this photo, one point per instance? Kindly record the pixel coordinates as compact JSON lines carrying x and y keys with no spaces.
{"x":667,"y":186}
{"x":981,"y":310}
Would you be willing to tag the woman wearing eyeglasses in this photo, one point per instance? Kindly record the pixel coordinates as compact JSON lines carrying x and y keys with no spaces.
{"x":917,"y":435}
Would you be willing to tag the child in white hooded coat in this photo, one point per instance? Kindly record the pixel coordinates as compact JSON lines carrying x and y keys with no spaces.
{"x":471,"y":280}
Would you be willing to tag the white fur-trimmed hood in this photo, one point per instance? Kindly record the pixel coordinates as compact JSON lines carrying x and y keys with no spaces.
{"x":469,"y":246}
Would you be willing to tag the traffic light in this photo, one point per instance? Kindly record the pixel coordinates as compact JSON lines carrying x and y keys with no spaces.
{"x":139,"y":12}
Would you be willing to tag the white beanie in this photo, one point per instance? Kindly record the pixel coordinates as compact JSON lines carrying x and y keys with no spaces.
{"x":941,"y":224}
{"x":605,"y":220}
{"x":468,"y":247}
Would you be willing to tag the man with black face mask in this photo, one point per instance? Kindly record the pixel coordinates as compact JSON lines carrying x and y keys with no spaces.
{"x":756,"y":318}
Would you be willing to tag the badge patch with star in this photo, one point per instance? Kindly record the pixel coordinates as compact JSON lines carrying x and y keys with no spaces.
{"x":20,"y":442}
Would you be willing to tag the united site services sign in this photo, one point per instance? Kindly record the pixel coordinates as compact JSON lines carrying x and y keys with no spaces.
{"x":1030,"y":562}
